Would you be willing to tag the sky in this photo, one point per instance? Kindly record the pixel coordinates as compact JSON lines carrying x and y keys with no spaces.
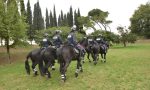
{"x":120,"y":11}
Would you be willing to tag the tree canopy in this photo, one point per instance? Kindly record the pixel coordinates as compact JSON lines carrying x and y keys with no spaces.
{"x":140,"y":21}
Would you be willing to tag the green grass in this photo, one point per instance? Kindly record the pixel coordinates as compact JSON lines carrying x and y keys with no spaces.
{"x":126,"y":69}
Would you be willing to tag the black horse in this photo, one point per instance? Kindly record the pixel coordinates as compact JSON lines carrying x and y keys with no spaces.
{"x":66,"y":54}
{"x":48,"y":56}
{"x":103,"y":51}
{"x":93,"y":50}
{"x":37,"y":56}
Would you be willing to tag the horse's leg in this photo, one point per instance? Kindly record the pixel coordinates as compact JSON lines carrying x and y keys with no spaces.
{"x":77,"y":68}
{"x":64,"y":69}
{"x":102,"y":57}
{"x":88,"y":56}
{"x":47,"y":65}
{"x":53,"y":65}
{"x":34,"y":68}
{"x":94,"y":58}
{"x":81,"y":69}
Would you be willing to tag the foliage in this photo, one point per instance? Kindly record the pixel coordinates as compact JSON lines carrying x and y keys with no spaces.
{"x":140,"y":21}
{"x":108,"y":36}
{"x":30,"y":31}
{"x":38,"y":21}
{"x":99,"y":17}
{"x":51,"y":31}
{"x":55,"y":18}
{"x":126,"y":36}
{"x":47,"y":19}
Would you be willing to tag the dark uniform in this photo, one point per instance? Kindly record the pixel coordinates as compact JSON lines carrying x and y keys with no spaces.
{"x":57,"y":40}
{"x":99,"y":39}
{"x":45,"y":42}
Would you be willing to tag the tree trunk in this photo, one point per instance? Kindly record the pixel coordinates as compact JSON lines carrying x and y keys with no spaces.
{"x":8,"y":49}
{"x":124,"y":43}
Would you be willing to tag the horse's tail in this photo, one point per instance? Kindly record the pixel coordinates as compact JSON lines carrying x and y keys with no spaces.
{"x":27,"y":66}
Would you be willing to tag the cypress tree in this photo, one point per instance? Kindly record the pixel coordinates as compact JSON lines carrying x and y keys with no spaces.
{"x":55,"y":18}
{"x":51,"y":19}
{"x":79,"y":15}
{"x":22,"y":8}
{"x":30,"y":32}
{"x":38,"y":22}
{"x":59,"y":21}
{"x":47,"y":19}
{"x":65,"y":21}
{"x":70,"y":17}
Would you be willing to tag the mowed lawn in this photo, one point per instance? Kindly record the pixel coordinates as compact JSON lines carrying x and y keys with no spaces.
{"x":126,"y":69}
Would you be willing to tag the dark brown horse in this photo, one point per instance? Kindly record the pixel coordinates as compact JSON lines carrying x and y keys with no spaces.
{"x":66,"y":54}
{"x":37,"y":56}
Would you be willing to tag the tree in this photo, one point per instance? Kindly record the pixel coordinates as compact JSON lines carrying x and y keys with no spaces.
{"x":47,"y":19}
{"x":99,"y":17}
{"x":126,"y":35}
{"x":55,"y":18}
{"x":38,"y":21}
{"x":30,"y":31}
{"x":51,"y":19}
{"x":13,"y":26}
{"x":70,"y":17}
{"x":59,"y":20}
{"x":22,"y":8}
{"x":140,"y":21}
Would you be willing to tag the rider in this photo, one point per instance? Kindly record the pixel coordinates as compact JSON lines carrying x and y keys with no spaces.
{"x":100,"y":39}
{"x":45,"y":41}
{"x":72,"y":36}
{"x":57,"y":40}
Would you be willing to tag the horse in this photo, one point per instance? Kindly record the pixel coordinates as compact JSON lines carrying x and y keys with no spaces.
{"x":48,"y":57}
{"x":94,"y":51}
{"x":103,"y":51}
{"x":37,"y":56}
{"x":66,"y":54}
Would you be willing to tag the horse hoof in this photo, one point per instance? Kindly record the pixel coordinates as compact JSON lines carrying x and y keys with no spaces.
{"x":53,"y":69}
{"x":81,"y":70}
{"x":76,"y":75}
{"x":95,"y":63}
{"x":36,"y":73}
{"x":49,"y":76}
{"x":83,"y":61}
{"x":63,"y":79}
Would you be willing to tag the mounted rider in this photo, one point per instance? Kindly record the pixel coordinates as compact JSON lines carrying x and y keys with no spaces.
{"x":72,"y":38}
{"x":57,"y":40}
{"x":45,"y":42}
{"x":99,"y":39}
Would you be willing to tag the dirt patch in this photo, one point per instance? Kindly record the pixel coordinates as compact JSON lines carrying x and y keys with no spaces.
{"x":16,"y":54}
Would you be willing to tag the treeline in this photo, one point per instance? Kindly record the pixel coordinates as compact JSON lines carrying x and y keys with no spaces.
{"x":51,"y":20}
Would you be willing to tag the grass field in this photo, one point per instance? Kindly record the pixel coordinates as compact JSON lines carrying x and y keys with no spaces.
{"x":126,"y":69}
